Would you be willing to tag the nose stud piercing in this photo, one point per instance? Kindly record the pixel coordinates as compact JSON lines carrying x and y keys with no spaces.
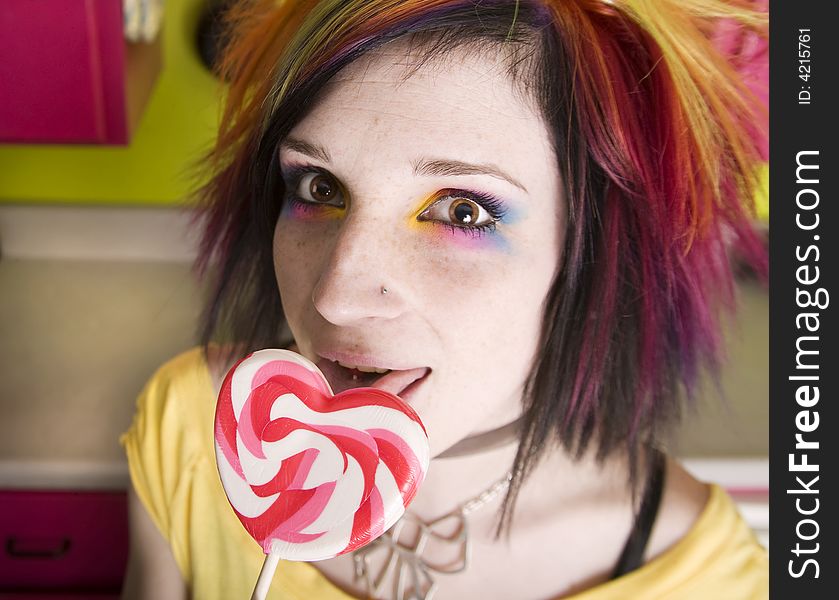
{"x":384,"y":290}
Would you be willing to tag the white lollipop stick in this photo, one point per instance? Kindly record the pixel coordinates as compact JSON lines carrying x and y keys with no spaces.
{"x":265,"y":576}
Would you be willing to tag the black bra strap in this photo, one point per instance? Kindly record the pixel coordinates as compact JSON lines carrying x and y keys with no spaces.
{"x":632,"y":555}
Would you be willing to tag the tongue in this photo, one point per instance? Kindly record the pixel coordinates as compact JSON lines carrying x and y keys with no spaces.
{"x":341,"y":379}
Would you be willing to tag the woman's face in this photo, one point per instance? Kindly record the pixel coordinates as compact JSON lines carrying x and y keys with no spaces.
{"x":441,"y":187}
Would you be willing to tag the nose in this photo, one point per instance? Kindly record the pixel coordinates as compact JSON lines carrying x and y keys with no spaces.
{"x":361,"y":278}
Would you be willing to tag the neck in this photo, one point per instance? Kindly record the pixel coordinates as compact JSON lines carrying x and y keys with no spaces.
{"x":456,"y":478}
{"x":488,"y":440}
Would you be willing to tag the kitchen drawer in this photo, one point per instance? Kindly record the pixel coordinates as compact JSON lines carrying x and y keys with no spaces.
{"x":63,"y":541}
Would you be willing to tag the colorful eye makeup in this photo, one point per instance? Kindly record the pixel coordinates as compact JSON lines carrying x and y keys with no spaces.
{"x":463,"y":215}
{"x":464,"y":212}
{"x":312,"y":193}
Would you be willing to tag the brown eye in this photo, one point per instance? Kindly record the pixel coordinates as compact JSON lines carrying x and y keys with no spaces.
{"x":463,"y":211}
{"x":457,"y":209}
{"x":320,"y":188}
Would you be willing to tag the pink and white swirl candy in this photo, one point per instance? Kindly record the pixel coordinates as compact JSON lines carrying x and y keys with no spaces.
{"x":312,"y":475}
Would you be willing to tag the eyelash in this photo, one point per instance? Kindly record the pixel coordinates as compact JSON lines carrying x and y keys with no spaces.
{"x":494,"y":207}
{"x":292,"y":177}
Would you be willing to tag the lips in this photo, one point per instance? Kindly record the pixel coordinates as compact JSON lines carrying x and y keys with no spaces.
{"x":394,"y":381}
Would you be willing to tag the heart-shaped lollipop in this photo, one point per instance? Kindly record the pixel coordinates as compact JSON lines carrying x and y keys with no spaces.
{"x":312,"y":475}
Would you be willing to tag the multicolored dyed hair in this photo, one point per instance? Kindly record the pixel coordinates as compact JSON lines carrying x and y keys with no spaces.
{"x":656,"y":137}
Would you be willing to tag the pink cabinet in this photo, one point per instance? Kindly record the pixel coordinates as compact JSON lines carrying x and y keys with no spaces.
{"x":59,"y":544}
{"x":67,"y":75}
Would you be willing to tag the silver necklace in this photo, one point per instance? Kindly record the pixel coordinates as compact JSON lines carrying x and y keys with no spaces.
{"x":412,"y":573}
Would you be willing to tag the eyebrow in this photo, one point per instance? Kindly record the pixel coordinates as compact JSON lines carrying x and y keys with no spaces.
{"x":425,"y":166}
{"x":306,"y":148}
{"x":445,"y":167}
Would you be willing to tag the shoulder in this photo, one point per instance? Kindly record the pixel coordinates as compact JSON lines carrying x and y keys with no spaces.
{"x":682,"y":502}
{"x":188,"y":377}
{"x":700,"y":548}
{"x":192,"y":363}
{"x":175,"y":403}
{"x":701,"y":545}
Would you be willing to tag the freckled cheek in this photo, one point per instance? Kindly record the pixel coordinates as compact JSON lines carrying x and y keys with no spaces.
{"x":457,"y":263}
{"x":296,"y":258}
{"x":458,"y":281}
{"x":488,"y":291}
{"x":300,"y":239}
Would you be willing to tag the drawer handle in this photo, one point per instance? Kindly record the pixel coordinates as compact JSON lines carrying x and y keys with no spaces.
{"x":23,"y":549}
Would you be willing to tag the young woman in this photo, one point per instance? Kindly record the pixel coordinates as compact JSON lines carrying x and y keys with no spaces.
{"x":514,"y":215}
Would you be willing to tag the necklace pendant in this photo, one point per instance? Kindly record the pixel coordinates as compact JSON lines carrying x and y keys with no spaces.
{"x":402,"y":550}
{"x":406,"y":568}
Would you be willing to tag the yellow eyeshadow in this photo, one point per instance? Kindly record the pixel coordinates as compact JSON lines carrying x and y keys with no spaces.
{"x":413,"y":221}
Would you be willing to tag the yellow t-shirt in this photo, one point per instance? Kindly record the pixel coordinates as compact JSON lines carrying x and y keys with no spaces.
{"x":172,"y":464}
